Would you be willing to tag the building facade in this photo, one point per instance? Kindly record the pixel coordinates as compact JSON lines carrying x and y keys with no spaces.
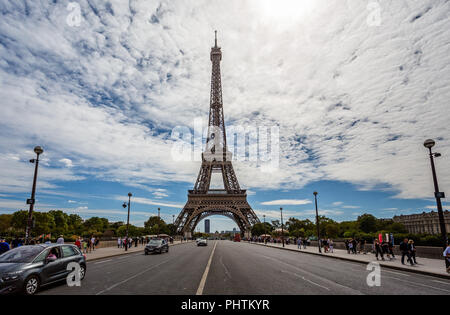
{"x":207,"y":226}
{"x":424,"y":223}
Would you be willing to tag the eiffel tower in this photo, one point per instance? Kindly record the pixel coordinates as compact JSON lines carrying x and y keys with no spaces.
{"x":203,"y":201}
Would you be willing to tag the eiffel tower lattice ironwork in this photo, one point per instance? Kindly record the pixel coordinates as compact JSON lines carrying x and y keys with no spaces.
{"x":203,"y":201}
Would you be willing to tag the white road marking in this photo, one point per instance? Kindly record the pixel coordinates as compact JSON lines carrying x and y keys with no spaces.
{"x":314,"y":275}
{"x":301,"y":277}
{"x":447,"y":283}
{"x":205,"y":274}
{"x":101,"y":262}
{"x":419,"y":284}
{"x":397,"y":273}
{"x":132,"y":277}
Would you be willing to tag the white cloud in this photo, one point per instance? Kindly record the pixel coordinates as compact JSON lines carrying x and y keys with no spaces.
{"x":151,"y":202}
{"x":338,"y":203}
{"x":354,"y":103}
{"x":66,"y":162}
{"x":285,"y":202}
{"x":351,"y":207}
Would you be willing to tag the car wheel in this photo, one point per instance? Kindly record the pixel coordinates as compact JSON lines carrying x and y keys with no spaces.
{"x":31,"y":285}
{"x":82,"y":272}
{"x":146,"y":253}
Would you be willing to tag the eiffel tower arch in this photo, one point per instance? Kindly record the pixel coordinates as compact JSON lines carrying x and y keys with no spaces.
{"x":231,"y":201}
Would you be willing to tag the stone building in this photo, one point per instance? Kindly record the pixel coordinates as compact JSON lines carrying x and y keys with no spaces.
{"x":423,"y":223}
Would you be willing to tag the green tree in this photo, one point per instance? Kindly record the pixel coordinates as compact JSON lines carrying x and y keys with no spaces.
{"x":367,"y":223}
{"x":5,"y":223}
{"x":19,"y":220}
{"x":60,"y":218}
{"x":261,"y":228}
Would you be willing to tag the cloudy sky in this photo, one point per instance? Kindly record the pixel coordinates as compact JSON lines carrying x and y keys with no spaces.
{"x":354,"y":88}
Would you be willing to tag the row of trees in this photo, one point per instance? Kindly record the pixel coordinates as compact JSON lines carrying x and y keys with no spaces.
{"x":57,"y":222}
{"x":365,"y":227}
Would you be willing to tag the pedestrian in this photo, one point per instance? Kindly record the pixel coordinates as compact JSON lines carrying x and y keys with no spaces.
{"x":363,"y":246}
{"x":299,"y":243}
{"x":60,"y":240}
{"x":405,"y":252}
{"x":447,"y":258}
{"x":331,"y":244}
{"x":350,"y":247}
{"x":85,"y":246}
{"x":354,"y":243}
{"x":92,"y":243}
{"x":119,"y":242}
{"x":391,"y":249}
{"x":78,"y":243}
{"x":305,"y":241}
{"x":385,"y":249}
{"x":378,"y":250}
{"x":412,"y":251}
{"x":4,"y":246}
{"x":347,"y":246}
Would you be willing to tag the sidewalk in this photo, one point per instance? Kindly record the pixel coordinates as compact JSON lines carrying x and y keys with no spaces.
{"x":427,"y":266}
{"x":107,"y":252}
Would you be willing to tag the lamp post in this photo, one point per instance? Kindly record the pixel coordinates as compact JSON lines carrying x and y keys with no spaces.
{"x":264,"y":216}
{"x":317,"y":222}
{"x":128,"y":218}
{"x":38,"y":150}
{"x":282,"y":228}
{"x":159,"y":211}
{"x":429,"y":144}
{"x":173,"y":218}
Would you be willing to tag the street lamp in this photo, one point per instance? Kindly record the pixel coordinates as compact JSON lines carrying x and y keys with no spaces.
{"x":282,"y":228}
{"x":317,"y":222}
{"x":173,"y":218}
{"x":128,"y":218}
{"x":38,"y":150}
{"x":429,"y":144}
{"x":159,"y":209}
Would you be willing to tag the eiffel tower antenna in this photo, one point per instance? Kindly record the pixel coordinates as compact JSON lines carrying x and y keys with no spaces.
{"x":203,"y":201}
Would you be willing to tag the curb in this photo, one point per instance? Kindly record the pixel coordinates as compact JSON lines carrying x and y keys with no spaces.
{"x":128,"y":253}
{"x":427,"y":273}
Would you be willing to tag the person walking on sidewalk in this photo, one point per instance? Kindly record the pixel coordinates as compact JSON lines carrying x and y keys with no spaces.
{"x":405,"y":252}
{"x":331,"y":244}
{"x":378,"y":250}
{"x":354,"y":244}
{"x":92,"y":243}
{"x":391,"y":249}
{"x":447,"y":258}
{"x":119,"y":242}
{"x":299,"y":243}
{"x":412,"y":251}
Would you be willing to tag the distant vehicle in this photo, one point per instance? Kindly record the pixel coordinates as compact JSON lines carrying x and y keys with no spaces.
{"x":202,"y":242}
{"x":157,"y":246}
{"x":237,"y":237}
{"x":25,"y":269}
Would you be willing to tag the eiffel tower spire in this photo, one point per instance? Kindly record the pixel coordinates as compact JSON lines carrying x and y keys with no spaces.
{"x":203,"y":201}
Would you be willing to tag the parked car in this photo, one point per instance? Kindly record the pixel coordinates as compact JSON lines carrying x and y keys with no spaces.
{"x":202,"y":242}
{"x":26,"y":269}
{"x":157,"y":246}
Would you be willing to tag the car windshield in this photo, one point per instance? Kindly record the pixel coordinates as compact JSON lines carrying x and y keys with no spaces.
{"x":23,"y":254}
{"x":155,"y":242}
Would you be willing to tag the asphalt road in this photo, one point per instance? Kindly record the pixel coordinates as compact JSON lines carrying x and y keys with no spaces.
{"x":228,"y":268}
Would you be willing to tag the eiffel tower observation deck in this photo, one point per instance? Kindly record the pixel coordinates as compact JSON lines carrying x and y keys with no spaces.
{"x":231,"y":201}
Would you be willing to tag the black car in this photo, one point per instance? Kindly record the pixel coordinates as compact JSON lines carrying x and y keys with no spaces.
{"x":27,"y":268}
{"x":157,"y":246}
